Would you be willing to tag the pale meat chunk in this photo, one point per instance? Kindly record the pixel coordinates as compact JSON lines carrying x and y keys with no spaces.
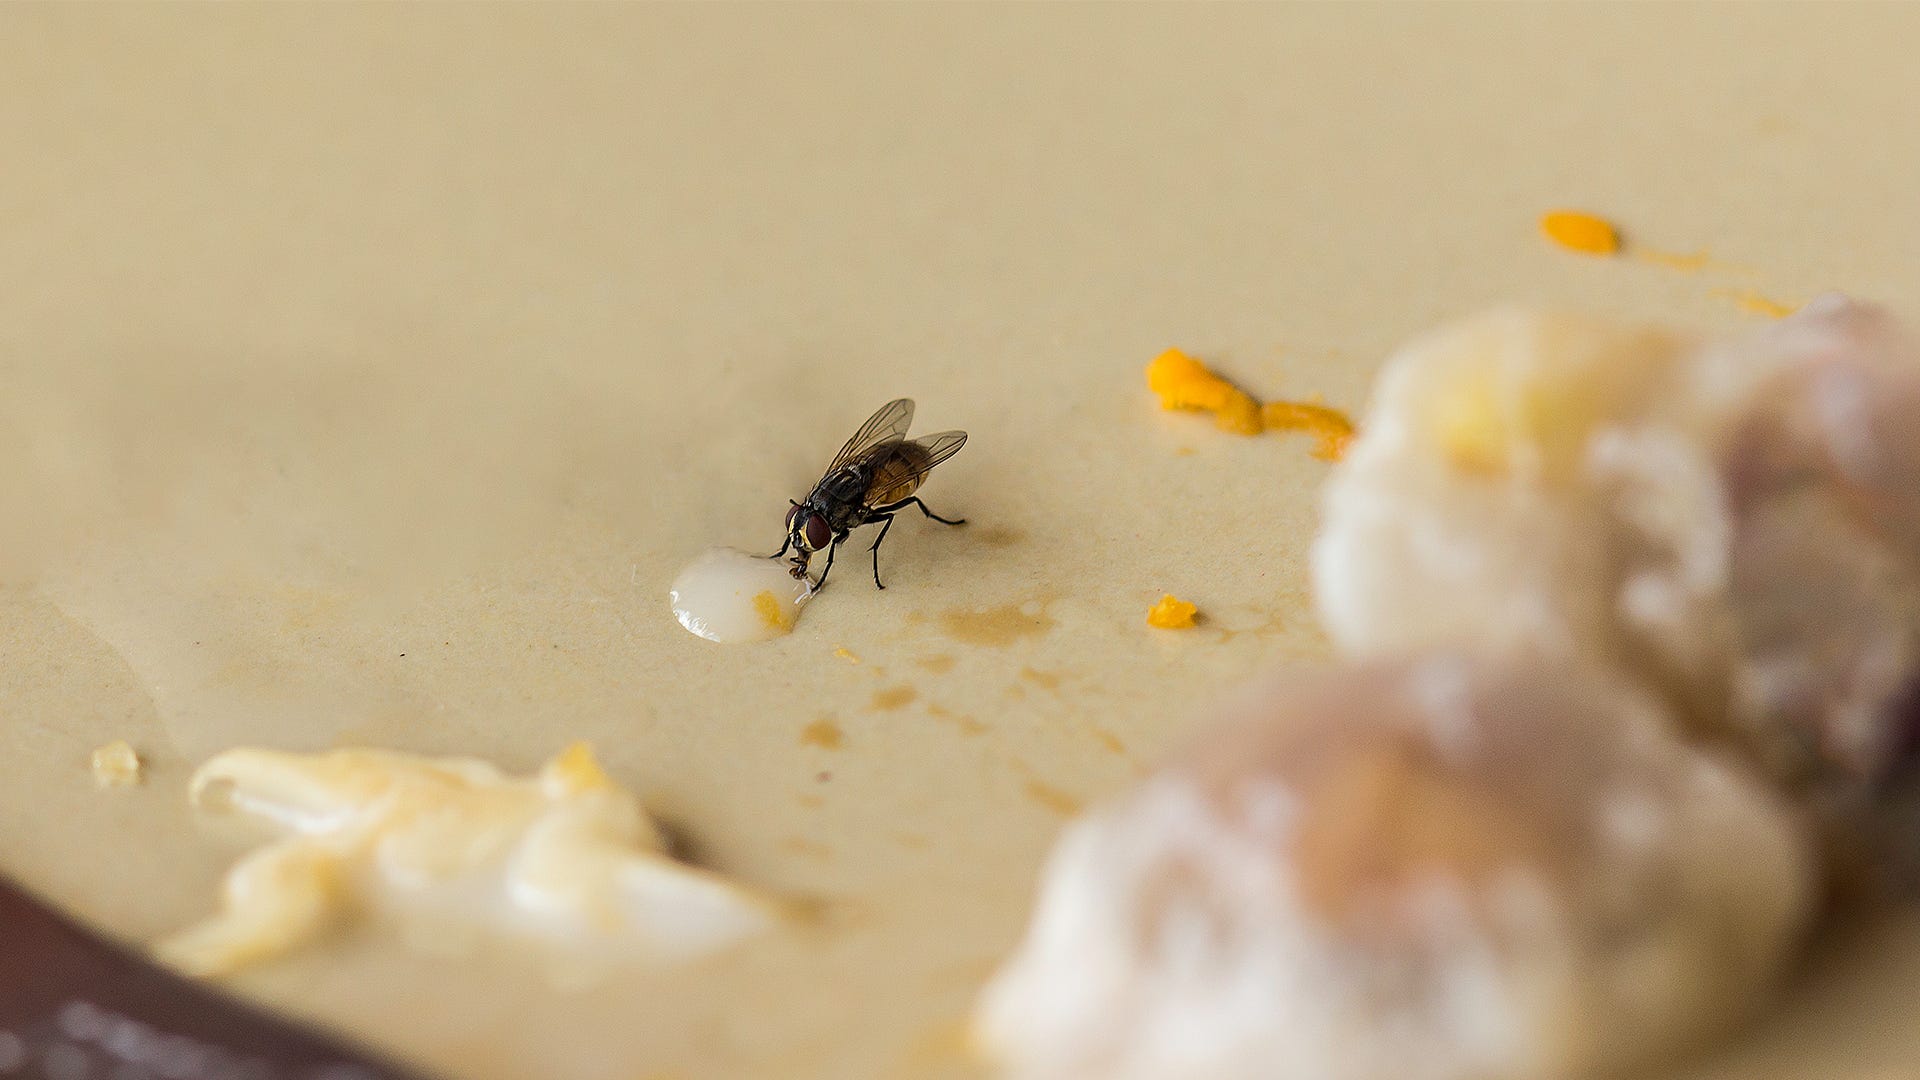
{"x":1738,"y":527}
{"x":1441,"y":869}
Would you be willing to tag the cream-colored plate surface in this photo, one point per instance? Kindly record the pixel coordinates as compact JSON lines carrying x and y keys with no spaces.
{"x":369,"y":372}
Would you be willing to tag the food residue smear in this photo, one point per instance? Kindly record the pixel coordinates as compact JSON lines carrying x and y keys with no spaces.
{"x":1060,"y":802}
{"x":1171,"y":613}
{"x":1330,"y":428}
{"x":1673,"y":260}
{"x":823,"y":733}
{"x":1064,"y":803}
{"x":1579,"y":231}
{"x":967,"y":725}
{"x":729,"y":596}
{"x":1185,"y":383}
{"x":565,"y":857}
{"x":996,"y":626}
{"x":116,"y":765}
{"x":1589,"y":234}
{"x":894,"y":697}
{"x":1754,"y":304}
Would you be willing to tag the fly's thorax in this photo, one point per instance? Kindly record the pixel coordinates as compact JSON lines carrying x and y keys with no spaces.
{"x":846,"y":486}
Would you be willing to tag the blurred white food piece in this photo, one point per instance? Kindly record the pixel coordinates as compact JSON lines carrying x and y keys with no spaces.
{"x":1440,"y":869}
{"x":565,"y":857}
{"x":1738,"y":526}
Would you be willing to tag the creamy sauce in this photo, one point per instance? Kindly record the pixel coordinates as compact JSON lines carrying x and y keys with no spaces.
{"x":727,"y":595}
{"x":452,"y":845}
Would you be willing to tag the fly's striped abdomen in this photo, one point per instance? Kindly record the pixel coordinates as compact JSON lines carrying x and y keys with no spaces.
{"x":897,"y":474}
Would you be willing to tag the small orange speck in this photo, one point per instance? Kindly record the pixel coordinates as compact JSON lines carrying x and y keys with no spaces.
{"x":1579,"y":231}
{"x":844,"y":653}
{"x":767,"y":606}
{"x":1171,"y":613}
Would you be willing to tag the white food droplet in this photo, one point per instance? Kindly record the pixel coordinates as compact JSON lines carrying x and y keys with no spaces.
{"x":729,"y":596}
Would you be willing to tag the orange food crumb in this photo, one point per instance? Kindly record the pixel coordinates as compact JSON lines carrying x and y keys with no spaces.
{"x":767,"y":606}
{"x":1755,"y":304}
{"x":1578,"y":231}
{"x":1330,"y":428}
{"x":1239,"y":413}
{"x":1185,"y":383}
{"x":1171,"y":613}
{"x":846,"y":654}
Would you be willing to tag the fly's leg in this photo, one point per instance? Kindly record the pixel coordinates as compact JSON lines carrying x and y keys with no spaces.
{"x":886,"y":522}
{"x":915,"y":501}
{"x":783,"y":547}
{"x":823,"y":574}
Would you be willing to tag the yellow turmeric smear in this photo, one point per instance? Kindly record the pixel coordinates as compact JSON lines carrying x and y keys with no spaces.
{"x":767,"y":606}
{"x":1185,"y":383}
{"x":1754,"y":304}
{"x":1238,"y":414}
{"x":1330,"y":428}
{"x":1171,"y":613}
{"x":1579,"y":231}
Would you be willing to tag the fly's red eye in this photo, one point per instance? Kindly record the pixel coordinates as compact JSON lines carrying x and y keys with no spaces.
{"x":818,"y":535}
{"x":791,"y":514}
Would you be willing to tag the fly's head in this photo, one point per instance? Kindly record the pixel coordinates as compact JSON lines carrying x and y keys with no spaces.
{"x":808,"y":532}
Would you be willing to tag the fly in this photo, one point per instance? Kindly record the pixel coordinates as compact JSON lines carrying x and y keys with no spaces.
{"x":873,"y":476}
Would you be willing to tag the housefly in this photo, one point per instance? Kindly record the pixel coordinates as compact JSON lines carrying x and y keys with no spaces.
{"x":873,"y":476}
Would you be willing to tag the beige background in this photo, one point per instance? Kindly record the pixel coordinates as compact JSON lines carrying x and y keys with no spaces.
{"x":368,"y":371}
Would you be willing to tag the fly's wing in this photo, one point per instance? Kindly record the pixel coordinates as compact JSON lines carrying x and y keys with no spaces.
{"x":889,"y":425}
{"x":910,"y":464}
{"x":938,"y":447}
